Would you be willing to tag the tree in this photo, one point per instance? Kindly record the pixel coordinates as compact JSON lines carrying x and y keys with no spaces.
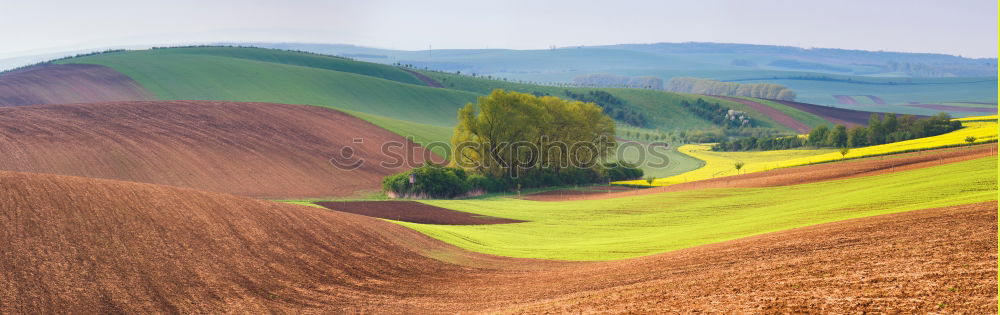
{"x":512,"y":133}
{"x":817,"y":137}
{"x":650,"y":180}
{"x":970,"y":140}
{"x":837,"y":137}
{"x":844,"y":152}
{"x":876,"y":134}
{"x":856,"y":137}
{"x":738,"y":165}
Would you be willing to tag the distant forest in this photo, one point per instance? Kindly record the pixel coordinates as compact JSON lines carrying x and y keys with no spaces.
{"x":613,"y":106}
{"x":713,"y":87}
{"x":618,"y":81}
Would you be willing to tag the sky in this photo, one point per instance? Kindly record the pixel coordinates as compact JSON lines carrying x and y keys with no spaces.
{"x":957,"y":27}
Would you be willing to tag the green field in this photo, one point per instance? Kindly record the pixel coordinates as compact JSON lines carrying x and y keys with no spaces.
{"x":844,"y":73}
{"x":383,"y":94}
{"x":661,"y":108}
{"x":248,"y":74}
{"x":644,"y":225}
{"x":652,"y":165}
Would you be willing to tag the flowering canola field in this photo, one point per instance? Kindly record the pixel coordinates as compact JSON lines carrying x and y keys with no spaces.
{"x":718,"y":164}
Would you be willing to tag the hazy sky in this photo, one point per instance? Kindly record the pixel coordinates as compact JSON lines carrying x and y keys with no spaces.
{"x":960,"y":27}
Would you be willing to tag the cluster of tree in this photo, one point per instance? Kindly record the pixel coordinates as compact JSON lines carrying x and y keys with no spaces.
{"x":552,"y":129}
{"x":612,"y":105}
{"x":918,"y":69}
{"x":513,"y":140}
{"x":713,"y":87}
{"x":637,"y":135}
{"x":717,"y":114}
{"x":620,"y":81}
{"x":436,"y":181}
{"x":884,"y":130}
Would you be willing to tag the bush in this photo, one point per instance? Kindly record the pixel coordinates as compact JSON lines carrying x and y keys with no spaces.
{"x":429,"y":180}
{"x":486,"y":184}
{"x":621,"y":171}
{"x":432,"y":181}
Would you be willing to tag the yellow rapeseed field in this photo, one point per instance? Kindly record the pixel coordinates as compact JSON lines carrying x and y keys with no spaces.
{"x":718,"y":164}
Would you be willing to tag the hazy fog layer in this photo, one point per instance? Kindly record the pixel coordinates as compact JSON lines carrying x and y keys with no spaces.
{"x":960,"y":27}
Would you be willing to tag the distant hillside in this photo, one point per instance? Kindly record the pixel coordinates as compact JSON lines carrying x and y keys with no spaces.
{"x":405,"y":100}
{"x":843,"y":72}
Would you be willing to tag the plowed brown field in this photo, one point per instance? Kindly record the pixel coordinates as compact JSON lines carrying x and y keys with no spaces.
{"x":801,"y":174}
{"x":412,"y":211}
{"x":840,"y":116}
{"x":251,"y":149}
{"x":64,"y":84}
{"x":775,"y":114}
{"x":101,"y":246}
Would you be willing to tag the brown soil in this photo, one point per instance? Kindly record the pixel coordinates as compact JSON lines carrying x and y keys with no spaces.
{"x":876,"y":99}
{"x":251,"y":149}
{"x":840,"y":116}
{"x":425,"y":79}
{"x":846,"y":99}
{"x":956,"y":108}
{"x":101,"y":246}
{"x":806,"y":174}
{"x":412,"y":211}
{"x":72,"y":83}
{"x":775,"y":114}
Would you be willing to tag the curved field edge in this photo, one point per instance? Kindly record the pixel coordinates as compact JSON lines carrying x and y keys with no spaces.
{"x":643,"y":225}
{"x":720,"y":164}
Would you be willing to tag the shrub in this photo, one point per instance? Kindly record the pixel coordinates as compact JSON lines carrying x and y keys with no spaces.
{"x":428,"y":180}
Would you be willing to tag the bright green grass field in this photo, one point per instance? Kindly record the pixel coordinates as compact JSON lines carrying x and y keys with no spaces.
{"x":249,"y":74}
{"x":644,"y":225}
{"x":657,"y":161}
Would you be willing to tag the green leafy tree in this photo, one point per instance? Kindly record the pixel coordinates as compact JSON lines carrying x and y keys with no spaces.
{"x":970,"y":140}
{"x":837,"y":137}
{"x":486,"y":131}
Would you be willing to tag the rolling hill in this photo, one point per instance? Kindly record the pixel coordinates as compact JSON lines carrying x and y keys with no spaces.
{"x":251,"y":149}
{"x":129,"y":247}
{"x":817,"y":75}
{"x":63,"y":84}
{"x":257,"y":75}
